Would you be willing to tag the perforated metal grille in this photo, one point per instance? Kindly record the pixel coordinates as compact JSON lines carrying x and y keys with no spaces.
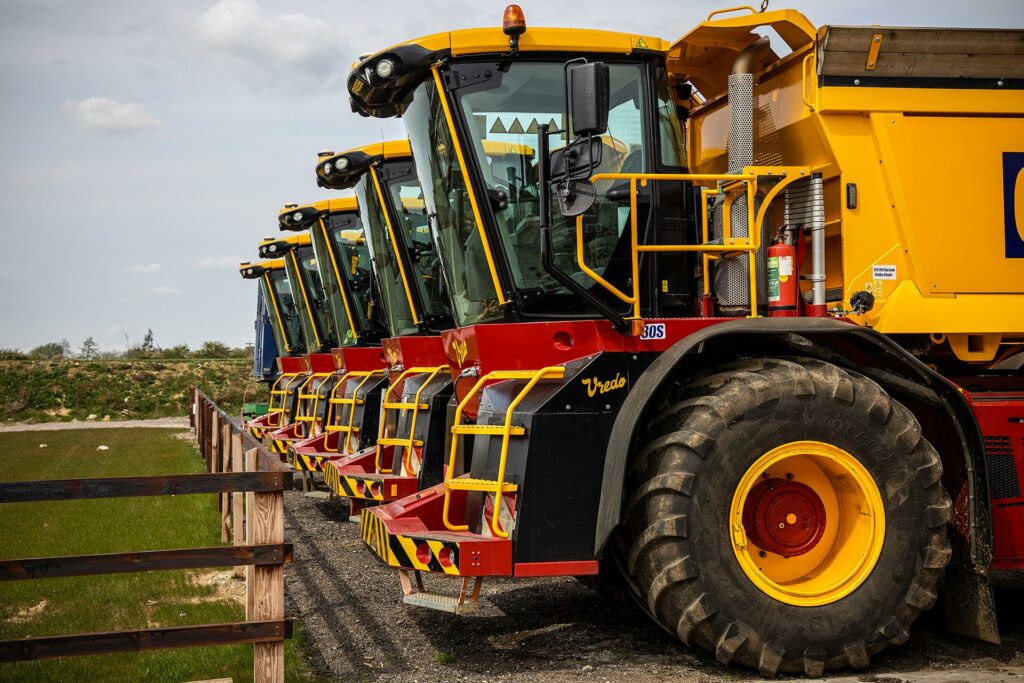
{"x":1002,"y":467}
{"x":732,"y":276}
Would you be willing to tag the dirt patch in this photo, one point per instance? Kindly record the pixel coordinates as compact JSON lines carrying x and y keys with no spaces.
{"x":550,"y":630}
{"x":225,"y":587}
{"x":26,"y":614}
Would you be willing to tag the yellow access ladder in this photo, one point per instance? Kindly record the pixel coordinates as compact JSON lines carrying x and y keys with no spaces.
{"x":336,"y":423}
{"x":309,"y":398}
{"x":505,"y":431}
{"x":411,"y":442}
{"x":279,"y":397}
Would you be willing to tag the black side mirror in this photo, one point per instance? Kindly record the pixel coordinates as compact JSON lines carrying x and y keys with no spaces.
{"x":588,"y":85}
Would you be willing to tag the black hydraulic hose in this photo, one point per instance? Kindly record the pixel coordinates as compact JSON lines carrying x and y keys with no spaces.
{"x":544,"y":232}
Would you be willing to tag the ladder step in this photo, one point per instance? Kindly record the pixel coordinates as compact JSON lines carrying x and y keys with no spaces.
{"x":498,"y":430}
{"x":444,"y":603}
{"x":388,"y":441}
{"x":466,"y":484}
{"x":347,"y":401}
{"x":406,"y":406}
{"x":341,"y":428}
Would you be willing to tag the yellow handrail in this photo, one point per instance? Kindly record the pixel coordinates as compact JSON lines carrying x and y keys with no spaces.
{"x":803,"y":80}
{"x":407,"y":457}
{"x":553,"y":372}
{"x":727,"y":185}
{"x":384,"y":409}
{"x":731,"y":9}
{"x":337,"y":274}
{"x":346,"y":449}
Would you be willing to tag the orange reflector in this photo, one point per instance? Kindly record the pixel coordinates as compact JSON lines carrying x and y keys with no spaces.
{"x":513,"y":23}
{"x":637,"y":327}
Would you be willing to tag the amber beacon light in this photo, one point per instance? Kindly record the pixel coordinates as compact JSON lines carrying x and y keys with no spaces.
{"x":513,"y":23}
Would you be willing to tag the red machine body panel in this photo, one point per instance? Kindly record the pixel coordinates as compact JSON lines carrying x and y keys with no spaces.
{"x":1001,"y":418}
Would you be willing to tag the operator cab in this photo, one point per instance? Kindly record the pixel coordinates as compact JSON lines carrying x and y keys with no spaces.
{"x":277,"y":293}
{"x":340,"y":248}
{"x":301,"y":267}
{"x":401,"y":251}
{"x":473,"y":106}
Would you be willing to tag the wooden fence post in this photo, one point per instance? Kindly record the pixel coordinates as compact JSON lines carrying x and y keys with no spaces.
{"x":268,"y":586}
{"x":213,"y":438}
{"x":251,"y":465}
{"x":237,"y":513}
{"x":225,"y":466}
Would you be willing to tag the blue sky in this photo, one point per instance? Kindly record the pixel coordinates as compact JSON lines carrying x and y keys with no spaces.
{"x":147,"y":146}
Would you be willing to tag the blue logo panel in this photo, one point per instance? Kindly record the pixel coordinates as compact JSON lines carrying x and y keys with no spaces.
{"x":1013,"y":162}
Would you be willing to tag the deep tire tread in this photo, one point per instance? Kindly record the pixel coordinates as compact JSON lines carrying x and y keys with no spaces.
{"x":667,"y":578}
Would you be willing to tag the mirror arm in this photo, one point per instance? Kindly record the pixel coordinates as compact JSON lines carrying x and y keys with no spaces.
{"x":544,"y":233}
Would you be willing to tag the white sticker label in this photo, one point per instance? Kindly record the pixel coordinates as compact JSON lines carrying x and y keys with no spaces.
{"x":653,"y":331}
{"x":883,"y":272}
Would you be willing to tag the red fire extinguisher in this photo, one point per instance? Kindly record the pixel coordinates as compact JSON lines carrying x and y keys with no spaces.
{"x":783,"y":287}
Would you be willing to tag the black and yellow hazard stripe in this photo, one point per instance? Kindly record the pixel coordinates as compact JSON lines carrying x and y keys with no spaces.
{"x":348,"y":487}
{"x":400,"y":551}
{"x":307,"y":463}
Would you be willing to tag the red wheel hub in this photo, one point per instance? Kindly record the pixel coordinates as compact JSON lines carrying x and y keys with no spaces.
{"x":784,"y":517}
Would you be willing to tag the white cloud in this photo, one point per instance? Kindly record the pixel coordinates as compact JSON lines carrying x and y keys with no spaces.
{"x":219,"y":263}
{"x":286,"y":46}
{"x":164,"y":291}
{"x":110,"y":117}
{"x":145,"y":268}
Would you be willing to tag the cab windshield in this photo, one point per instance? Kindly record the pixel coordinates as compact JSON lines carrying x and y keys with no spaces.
{"x":317,"y":327}
{"x":382,"y":253}
{"x":403,"y":191}
{"x":278,"y":291}
{"x":344,"y":260}
{"x":501,"y":111}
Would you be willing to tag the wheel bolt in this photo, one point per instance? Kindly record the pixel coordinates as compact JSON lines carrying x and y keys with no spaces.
{"x":789,"y":475}
{"x":764,"y":476}
{"x":762,"y":554}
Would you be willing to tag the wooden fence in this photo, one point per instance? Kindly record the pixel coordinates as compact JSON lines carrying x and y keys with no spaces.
{"x":250,"y":485}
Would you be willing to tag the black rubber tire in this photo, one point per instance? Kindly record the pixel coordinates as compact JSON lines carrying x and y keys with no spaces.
{"x":674,"y":545}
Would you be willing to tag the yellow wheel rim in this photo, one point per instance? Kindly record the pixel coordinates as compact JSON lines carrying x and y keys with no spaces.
{"x":807,"y":523}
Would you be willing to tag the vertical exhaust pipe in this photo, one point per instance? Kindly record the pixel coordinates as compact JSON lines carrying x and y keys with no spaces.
{"x":732,"y":276}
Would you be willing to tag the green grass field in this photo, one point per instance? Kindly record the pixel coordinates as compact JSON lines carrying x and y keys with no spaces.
{"x":125,"y":601}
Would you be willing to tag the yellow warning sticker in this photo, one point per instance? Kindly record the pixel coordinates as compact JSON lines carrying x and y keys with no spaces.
{"x":640,"y":43}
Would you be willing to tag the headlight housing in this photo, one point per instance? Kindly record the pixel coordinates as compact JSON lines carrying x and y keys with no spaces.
{"x":385,"y":68}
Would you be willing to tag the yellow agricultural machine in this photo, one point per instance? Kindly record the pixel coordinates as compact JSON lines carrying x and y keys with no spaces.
{"x":307,"y":392}
{"x":339,"y":243}
{"x":386,"y":463}
{"x":725,"y":330}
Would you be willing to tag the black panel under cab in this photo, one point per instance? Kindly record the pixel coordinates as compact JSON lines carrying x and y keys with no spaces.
{"x":557,"y":512}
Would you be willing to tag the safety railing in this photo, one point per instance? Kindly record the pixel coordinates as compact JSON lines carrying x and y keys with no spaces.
{"x":506,"y":430}
{"x":345,"y":423}
{"x":729,"y":185}
{"x":415,"y":406}
{"x":279,"y":396}
{"x":308,"y":408}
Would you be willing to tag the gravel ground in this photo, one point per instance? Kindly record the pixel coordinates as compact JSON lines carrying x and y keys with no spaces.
{"x":161,"y":422}
{"x":549,"y":630}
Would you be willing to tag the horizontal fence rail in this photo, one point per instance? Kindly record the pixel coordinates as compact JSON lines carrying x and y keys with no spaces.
{"x":126,"y":487}
{"x":146,"y":561}
{"x":149,"y":639}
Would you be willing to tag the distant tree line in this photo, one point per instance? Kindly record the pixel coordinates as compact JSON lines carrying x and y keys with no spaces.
{"x":148,"y":349}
